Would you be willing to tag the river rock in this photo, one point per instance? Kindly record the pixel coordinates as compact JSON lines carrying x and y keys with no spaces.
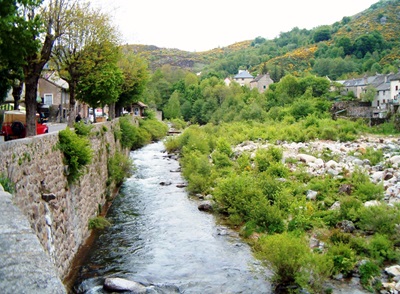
{"x":346,"y":226}
{"x":312,"y":195}
{"x":372,"y":203}
{"x":395,"y":159}
{"x":205,"y":206}
{"x":393,"y":270}
{"x":119,"y":284}
{"x":306,"y":158}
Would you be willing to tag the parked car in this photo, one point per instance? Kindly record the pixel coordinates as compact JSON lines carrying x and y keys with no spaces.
{"x":14,"y":125}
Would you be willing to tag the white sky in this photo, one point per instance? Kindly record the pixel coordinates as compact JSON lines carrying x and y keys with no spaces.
{"x":207,"y":24}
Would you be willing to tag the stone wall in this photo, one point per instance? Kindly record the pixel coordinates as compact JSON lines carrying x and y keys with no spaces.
{"x":58,"y":212}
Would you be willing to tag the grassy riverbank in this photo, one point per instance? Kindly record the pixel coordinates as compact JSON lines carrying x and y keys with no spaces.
{"x":265,"y":194}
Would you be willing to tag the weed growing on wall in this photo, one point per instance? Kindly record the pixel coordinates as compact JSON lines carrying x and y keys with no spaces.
{"x":82,"y":129}
{"x":119,"y":167}
{"x":77,"y":153}
{"x":99,"y":223}
{"x":7,"y":184}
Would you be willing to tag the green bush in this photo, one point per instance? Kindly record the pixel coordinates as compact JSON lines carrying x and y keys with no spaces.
{"x":235,"y":194}
{"x":286,"y":255}
{"x":343,"y":257}
{"x":368,"y":270}
{"x":350,"y":208}
{"x":379,"y":219}
{"x":82,"y":129}
{"x":133,"y":137}
{"x":77,"y":153}
{"x":220,"y":159}
{"x":155,"y":128}
{"x":99,"y":223}
{"x":374,"y":156}
{"x":7,"y":184}
{"x":267,"y":217}
{"x":129,"y":132}
{"x":119,"y":167}
{"x":264,"y":157}
{"x":196,"y":168}
{"x":382,"y":249}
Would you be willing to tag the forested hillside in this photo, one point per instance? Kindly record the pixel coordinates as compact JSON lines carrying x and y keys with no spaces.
{"x":363,"y":43}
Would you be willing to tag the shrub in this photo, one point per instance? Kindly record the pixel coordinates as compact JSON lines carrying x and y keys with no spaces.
{"x":235,"y":194}
{"x":368,"y":270}
{"x":77,"y":153}
{"x":381,"y":249}
{"x":266,"y":216}
{"x":264,"y":157}
{"x":278,"y":170}
{"x":343,"y":257}
{"x":7,"y":184}
{"x":220,"y":159}
{"x":350,"y":208}
{"x":374,"y":156}
{"x":119,"y":167}
{"x":99,"y":223}
{"x":155,"y":128}
{"x":196,"y":168}
{"x":286,"y":255}
{"x":379,"y":219}
{"x":82,"y":129}
{"x":129,"y":133}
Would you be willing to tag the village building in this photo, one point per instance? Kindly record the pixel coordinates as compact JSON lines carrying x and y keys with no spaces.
{"x":261,"y":82}
{"x":387,"y":88}
{"x":243,"y":78}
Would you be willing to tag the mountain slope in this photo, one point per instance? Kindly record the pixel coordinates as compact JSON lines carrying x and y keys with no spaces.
{"x":300,"y":49}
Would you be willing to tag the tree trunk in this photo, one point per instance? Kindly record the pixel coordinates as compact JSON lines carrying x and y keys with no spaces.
{"x":31,"y":104}
{"x":72,"y":102}
{"x":111,"y":111}
{"x":17,"y":91}
{"x":32,"y":71}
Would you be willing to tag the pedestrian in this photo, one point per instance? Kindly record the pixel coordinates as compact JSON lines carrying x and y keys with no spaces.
{"x":78,"y":117}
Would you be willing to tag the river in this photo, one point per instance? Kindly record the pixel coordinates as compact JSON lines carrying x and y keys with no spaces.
{"x":159,"y":237}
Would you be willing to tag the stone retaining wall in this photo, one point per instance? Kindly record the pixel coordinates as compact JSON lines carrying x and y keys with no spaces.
{"x":58,"y":212}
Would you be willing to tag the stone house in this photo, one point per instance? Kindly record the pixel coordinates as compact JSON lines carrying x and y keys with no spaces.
{"x":54,"y":92}
{"x":261,"y":82}
{"x":387,"y":92}
{"x":243,"y":78}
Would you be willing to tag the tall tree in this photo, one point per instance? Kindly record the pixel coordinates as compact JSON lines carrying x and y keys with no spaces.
{"x":54,"y":14}
{"x":87,"y":27}
{"x":101,"y":80}
{"x":18,"y":32}
{"x":136,"y":75}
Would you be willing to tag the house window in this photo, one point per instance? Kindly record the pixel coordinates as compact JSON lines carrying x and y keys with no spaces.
{"x":397,"y":87}
{"x":264,"y":86}
{"x":48,"y":99}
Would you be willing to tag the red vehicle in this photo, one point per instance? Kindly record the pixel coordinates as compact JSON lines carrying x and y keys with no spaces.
{"x":14,"y":125}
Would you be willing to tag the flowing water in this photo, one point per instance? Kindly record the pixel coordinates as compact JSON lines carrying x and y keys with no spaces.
{"x":159,"y":237}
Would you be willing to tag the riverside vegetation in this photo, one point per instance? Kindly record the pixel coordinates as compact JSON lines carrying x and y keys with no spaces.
{"x":75,"y":145}
{"x":266,"y":200}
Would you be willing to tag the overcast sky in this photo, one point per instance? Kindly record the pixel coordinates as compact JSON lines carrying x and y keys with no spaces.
{"x":207,"y":24}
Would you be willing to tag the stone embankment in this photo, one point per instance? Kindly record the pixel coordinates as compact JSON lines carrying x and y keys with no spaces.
{"x":58,"y":212}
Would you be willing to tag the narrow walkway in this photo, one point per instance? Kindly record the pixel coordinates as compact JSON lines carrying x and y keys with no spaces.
{"x":24,"y":265}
